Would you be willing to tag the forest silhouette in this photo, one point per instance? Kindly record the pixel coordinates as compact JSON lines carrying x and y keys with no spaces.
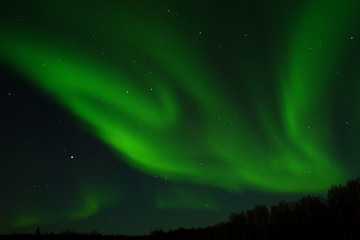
{"x":335,"y":216}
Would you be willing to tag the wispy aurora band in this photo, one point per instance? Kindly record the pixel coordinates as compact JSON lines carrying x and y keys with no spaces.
{"x":90,"y":200}
{"x":150,"y":127}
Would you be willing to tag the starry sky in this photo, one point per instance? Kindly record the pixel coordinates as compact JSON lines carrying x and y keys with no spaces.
{"x":128,"y":116}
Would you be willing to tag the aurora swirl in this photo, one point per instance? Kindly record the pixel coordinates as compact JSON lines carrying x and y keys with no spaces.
{"x":149,"y":84}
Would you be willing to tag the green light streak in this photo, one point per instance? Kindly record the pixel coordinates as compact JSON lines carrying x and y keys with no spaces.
{"x":305,"y":86}
{"x":178,"y":124}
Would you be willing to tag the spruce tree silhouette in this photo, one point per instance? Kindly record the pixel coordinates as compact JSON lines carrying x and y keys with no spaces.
{"x":37,"y":232}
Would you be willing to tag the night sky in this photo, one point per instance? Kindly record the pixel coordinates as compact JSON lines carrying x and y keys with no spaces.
{"x":129,"y":116}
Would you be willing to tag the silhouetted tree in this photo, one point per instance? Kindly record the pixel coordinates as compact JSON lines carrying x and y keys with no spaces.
{"x":37,"y":232}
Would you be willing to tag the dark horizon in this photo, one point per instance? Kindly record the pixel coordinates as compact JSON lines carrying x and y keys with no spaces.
{"x":312,"y":217}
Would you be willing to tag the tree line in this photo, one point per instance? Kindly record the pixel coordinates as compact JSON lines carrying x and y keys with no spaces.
{"x":334,"y":216}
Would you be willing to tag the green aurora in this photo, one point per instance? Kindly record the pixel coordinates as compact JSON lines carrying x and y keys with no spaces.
{"x":141,"y":83}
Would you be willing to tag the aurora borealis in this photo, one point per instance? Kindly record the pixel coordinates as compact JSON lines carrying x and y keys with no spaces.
{"x":127,"y":116}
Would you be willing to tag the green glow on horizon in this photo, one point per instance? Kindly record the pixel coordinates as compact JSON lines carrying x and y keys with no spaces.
{"x":177,"y":122}
{"x":92,"y":199}
{"x":185,"y":199}
{"x":27,"y":220}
